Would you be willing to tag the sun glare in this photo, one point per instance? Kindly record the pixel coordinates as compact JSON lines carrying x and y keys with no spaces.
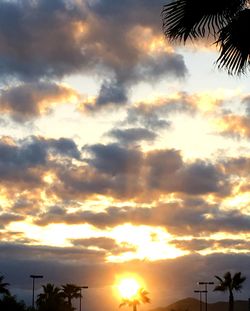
{"x":128,"y":287}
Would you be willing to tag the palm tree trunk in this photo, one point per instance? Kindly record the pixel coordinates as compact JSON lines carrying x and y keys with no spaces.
{"x":231,"y":301}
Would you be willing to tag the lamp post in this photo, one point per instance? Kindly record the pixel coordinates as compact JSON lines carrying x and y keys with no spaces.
{"x":33,"y":287}
{"x":80,"y":288}
{"x":200,"y":292}
{"x":206,"y":284}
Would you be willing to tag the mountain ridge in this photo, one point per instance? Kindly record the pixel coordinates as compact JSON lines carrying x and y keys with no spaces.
{"x":193,"y":304}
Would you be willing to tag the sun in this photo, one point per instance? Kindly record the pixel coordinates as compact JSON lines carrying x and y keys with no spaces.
{"x":128,"y":287}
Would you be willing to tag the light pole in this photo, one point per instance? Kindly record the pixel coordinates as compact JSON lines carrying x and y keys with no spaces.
{"x":80,"y":288}
{"x":33,"y":287}
{"x":206,"y":284}
{"x":200,"y":292}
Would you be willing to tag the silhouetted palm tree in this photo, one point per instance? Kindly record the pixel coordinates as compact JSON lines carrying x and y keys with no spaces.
{"x":70,"y":291}
{"x":229,"y":283}
{"x":140,"y":297}
{"x":51,"y":299}
{"x":227,"y":21}
{"x":3,"y":285}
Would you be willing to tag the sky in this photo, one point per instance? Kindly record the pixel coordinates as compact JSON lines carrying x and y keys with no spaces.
{"x":120,"y":153}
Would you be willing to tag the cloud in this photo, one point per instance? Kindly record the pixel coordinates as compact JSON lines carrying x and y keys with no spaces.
{"x":236,"y":126}
{"x":156,"y":115}
{"x":69,"y":37}
{"x":132,"y":135}
{"x":103,"y":243}
{"x":5,"y":219}
{"x":25,"y":161}
{"x":161,"y":66}
{"x":44,"y":43}
{"x":229,"y":245}
{"x":194,"y":217}
{"x":123,"y":172}
{"x":169,"y":173}
{"x":30,"y":100}
{"x":113,"y":159}
{"x":111,"y":93}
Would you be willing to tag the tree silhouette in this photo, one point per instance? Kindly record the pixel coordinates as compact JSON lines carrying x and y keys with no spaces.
{"x":51,"y":299}
{"x":69,"y":292}
{"x":140,"y":297}
{"x":229,"y":283}
{"x":3,"y":285}
{"x":227,"y":21}
{"x":10,"y":303}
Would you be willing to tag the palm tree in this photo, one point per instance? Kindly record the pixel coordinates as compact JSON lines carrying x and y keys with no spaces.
{"x":229,"y":283}
{"x":51,"y":299}
{"x":70,"y":291}
{"x":227,"y":21}
{"x":3,"y":285}
{"x":140,"y":297}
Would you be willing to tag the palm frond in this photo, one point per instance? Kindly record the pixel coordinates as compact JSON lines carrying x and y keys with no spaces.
{"x":238,"y":279}
{"x":234,"y":44}
{"x":217,"y":277}
{"x":220,"y":288}
{"x":183,"y":19}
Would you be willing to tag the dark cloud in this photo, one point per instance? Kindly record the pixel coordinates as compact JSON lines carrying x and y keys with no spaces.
{"x":201,"y":178}
{"x":169,"y":173}
{"x":33,"y":151}
{"x":24,"y":205}
{"x":164,"y":65}
{"x":191,"y":217}
{"x":157,"y":116}
{"x":214,"y":245}
{"x":64,"y":146}
{"x":5,"y":219}
{"x":32,"y":99}
{"x":103,"y":243}
{"x":124,"y":172}
{"x":97,"y":38}
{"x":114,"y":159}
{"x":148,"y":118}
{"x":38,"y":40}
{"x":111,"y":93}
{"x":132,"y":135}
{"x":236,"y":166}
{"x":106,"y":244}
{"x":23,"y":162}
{"x":47,"y":253}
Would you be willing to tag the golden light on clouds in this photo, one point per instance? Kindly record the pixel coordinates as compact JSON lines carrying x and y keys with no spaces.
{"x":49,"y":178}
{"x":148,"y":42}
{"x":80,"y":29}
{"x":58,"y":235}
{"x":241,"y":200}
{"x":65,"y":95}
{"x":151,"y":243}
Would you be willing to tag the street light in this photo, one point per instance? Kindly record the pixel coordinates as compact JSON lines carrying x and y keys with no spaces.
{"x":33,"y":290}
{"x":80,"y":288}
{"x":200,"y":292}
{"x":206,"y":284}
